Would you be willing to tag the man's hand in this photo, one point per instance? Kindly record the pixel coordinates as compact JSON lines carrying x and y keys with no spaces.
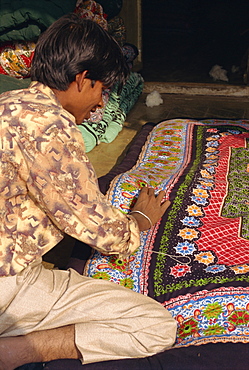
{"x":151,"y":205}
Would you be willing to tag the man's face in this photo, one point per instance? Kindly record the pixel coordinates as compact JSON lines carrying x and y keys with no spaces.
{"x":89,"y":99}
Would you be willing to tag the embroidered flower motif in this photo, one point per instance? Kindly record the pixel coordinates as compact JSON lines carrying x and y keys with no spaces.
{"x":179,"y":270}
{"x":214,"y":137}
{"x":187,"y":233}
{"x":215,"y":329}
{"x":149,"y":164}
{"x":200,"y":193}
{"x":193,"y":210}
{"x":158,"y":138}
{"x":168,"y":132}
{"x":188,"y":328}
{"x":167,"y":143}
{"x":153,"y":183}
{"x":128,"y":187}
{"x":240,"y":269}
{"x":163,"y":153}
{"x":191,"y":221}
{"x":212,"y":144}
{"x":212,"y":155}
{"x":213,"y":310}
{"x":205,"y":257}
{"x":212,"y":130}
{"x":168,"y":167}
{"x":211,"y":150}
{"x":205,"y":185}
{"x":141,"y":183}
{"x":234,"y":132}
{"x":206,"y":175}
{"x":185,"y":248}
{"x":239,"y":317}
{"x":211,"y":169}
{"x":101,"y":275}
{"x":127,"y":282}
{"x":199,"y":200}
{"x":152,"y":157}
{"x":155,"y":147}
{"x":210,"y":161}
{"x":215,"y":268}
{"x":116,"y":263}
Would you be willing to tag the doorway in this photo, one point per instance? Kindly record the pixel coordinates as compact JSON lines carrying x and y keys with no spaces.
{"x":183,"y":40}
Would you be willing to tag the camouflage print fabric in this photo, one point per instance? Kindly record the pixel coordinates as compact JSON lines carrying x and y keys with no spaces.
{"x":47,"y":185}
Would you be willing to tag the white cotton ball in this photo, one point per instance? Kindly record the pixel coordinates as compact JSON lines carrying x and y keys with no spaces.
{"x":153,"y":99}
{"x":218,"y":73}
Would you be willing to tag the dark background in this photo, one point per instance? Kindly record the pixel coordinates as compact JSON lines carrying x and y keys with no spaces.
{"x":184,"y":39}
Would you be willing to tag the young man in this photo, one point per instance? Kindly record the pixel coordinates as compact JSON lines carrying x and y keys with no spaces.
{"x":48,"y":189}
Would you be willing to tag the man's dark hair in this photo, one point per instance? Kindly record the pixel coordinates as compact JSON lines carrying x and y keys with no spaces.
{"x":72,"y":45}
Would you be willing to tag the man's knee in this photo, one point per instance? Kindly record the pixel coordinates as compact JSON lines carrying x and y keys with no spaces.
{"x":158,"y":333}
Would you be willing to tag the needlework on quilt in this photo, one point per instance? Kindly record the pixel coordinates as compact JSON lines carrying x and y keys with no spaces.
{"x":157,"y":156}
{"x":217,"y":316}
{"x":198,"y":245}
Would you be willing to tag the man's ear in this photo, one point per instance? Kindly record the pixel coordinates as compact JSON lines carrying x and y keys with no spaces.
{"x":80,"y":79}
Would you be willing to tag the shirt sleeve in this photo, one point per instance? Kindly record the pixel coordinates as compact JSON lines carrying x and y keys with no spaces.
{"x":63,"y":184}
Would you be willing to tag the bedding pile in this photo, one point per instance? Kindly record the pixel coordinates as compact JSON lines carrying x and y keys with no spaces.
{"x":23,"y":22}
{"x":27,"y":19}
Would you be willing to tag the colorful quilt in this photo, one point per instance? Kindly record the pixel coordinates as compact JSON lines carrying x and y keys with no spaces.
{"x":195,"y":260}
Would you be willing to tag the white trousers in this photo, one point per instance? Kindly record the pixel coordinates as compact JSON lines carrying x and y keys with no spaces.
{"x":111,"y":322}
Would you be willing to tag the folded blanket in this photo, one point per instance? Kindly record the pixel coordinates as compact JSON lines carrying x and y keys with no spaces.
{"x":27,"y":19}
{"x":113,"y":115}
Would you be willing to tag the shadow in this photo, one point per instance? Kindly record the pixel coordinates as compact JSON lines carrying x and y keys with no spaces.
{"x":184,"y":39}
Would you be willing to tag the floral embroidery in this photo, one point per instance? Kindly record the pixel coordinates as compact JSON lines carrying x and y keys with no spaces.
{"x":240,"y":269}
{"x":211,"y":150}
{"x":204,"y":185}
{"x":191,"y":221}
{"x":205,"y":174}
{"x":194,"y":210}
{"x":117,"y":263}
{"x":185,"y":248}
{"x":196,"y":191}
{"x":213,"y":310}
{"x":215,"y":329}
{"x":128,"y":187}
{"x":127,"y":282}
{"x":212,"y":144}
{"x":101,"y":275}
{"x":239,"y":317}
{"x":179,"y":270}
{"x":205,"y":257}
{"x":188,"y":328}
{"x":187,"y":233}
{"x":199,"y":200}
{"x":215,"y":268}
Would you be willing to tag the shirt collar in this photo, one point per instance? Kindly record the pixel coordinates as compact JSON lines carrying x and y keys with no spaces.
{"x":49,"y":92}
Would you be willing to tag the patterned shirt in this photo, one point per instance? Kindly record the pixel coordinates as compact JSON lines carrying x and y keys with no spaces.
{"x":48,"y":186}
